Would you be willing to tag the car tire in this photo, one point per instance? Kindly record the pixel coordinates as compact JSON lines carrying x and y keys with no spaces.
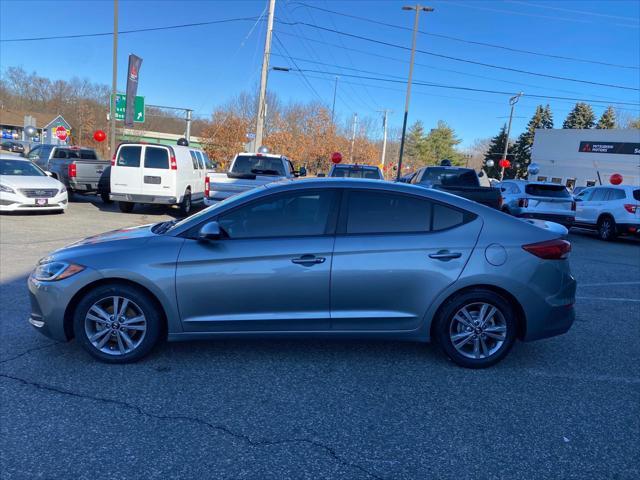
{"x":105,"y":198}
{"x":186,"y":205}
{"x":126,"y":207}
{"x":607,"y":229}
{"x":463,"y":342}
{"x":123,"y":342}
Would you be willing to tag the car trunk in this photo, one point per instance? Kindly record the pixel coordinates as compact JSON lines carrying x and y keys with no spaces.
{"x":92,"y":174}
{"x":549,"y":199}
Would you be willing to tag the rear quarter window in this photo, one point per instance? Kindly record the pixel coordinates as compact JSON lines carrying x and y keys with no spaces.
{"x":129,"y":156}
{"x":616,"y":194}
{"x":636,"y":195}
{"x":553,"y":191}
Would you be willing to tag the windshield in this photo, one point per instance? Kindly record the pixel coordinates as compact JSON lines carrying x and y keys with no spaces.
{"x":553,"y":191}
{"x":258,"y":165}
{"x":357,"y":172}
{"x":458,"y":177}
{"x":20,"y":168}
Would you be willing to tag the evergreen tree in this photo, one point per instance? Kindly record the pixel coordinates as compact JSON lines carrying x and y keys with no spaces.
{"x":608,"y":119}
{"x":413,"y":147}
{"x":581,"y":116}
{"x":441,"y":143}
{"x":495,"y":152}
{"x":542,"y":118}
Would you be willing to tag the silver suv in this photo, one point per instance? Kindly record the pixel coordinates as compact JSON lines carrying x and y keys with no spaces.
{"x":544,"y":201}
{"x":612,"y":210}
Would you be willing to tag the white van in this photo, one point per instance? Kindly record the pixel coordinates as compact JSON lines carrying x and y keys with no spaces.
{"x":160,"y":174}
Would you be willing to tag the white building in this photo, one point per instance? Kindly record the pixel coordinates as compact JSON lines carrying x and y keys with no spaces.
{"x":588,"y":157}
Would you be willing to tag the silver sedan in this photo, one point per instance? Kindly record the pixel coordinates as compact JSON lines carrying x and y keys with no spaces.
{"x":316,"y":257}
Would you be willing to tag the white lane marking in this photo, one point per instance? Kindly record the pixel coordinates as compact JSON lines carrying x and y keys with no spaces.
{"x":606,"y":284}
{"x":610,"y":299}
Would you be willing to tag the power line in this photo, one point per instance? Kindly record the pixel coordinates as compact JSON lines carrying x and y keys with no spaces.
{"x":463,"y":60}
{"x":469,"y":89}
{"x":579,"y":12}
{"x":296,"y":65}
{"x":512,"y":82}
{"x":471,"y":42}
{"x":123,"y":32}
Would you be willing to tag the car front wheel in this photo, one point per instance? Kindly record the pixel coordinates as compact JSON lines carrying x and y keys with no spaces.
{"x":117,"y":323}
{"x":476,"y":328}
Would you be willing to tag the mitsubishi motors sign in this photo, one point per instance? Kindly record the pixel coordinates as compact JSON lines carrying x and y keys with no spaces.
{"x":622,"y":148}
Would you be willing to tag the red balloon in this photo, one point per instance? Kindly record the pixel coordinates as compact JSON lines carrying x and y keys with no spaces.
{"x":504,"y":163}
{"x":99,"y":136}
{"x":615,"y":179}
{"x":336,"y":157}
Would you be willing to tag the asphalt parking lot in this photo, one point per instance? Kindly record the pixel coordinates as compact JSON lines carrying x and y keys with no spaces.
{"x":567,"y":407}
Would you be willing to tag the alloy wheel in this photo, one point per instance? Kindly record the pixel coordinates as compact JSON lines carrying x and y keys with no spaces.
{"x":115,"y":325}
{"x":478,"y":330}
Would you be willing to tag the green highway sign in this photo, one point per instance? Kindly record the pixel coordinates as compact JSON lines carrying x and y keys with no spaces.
{"x":121,"y":105}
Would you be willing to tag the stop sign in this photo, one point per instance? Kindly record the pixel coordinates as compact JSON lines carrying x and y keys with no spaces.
{"x":61,"y":133}
{"x":336,"y":157}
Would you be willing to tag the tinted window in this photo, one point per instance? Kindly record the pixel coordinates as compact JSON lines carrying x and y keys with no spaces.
{"x":194,"y":159}
{"x":616,"y":194}
{"x":156,"y":158}
{"x":464,"y":177}
{"x":200,"y":160}
{"x":208,"y":163}
{"x":598,"y":195}
{"x":88,"y":154}
{"x":258,"y":165}
{"x":20,"y":168}
{"x":445,"y":217}
{"x":554,"y":191}
{"x":129,"y":156}
{"x":356,"y":172}
{"x":61,"y":153}
{"x":380,"y":212}
{"x":636,"y":195}
{"x":286,"y":215}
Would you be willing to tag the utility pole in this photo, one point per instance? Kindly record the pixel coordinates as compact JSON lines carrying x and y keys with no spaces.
{"x":384,"y":112}
{"x":353,"y":136}
{"x":418,"y":8}
{"x":262,"y":108}
{"x":114,"y":82}
{"x":333,"y":106}
{"x":512,"y":101}
{"x":187,"y":132}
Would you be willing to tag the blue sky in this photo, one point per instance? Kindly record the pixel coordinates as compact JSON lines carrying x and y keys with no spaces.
{"x":203,"y":66}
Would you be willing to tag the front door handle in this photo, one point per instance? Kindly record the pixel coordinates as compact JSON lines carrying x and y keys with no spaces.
{"x":445,"y":255}
{"x":308,"y":260}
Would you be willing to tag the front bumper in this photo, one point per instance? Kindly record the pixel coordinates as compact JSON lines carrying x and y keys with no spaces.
{"x":13,"y":202}
{"x":134,"y":198}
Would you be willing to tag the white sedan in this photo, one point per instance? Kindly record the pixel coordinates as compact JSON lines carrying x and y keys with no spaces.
{"x":25,"y":187}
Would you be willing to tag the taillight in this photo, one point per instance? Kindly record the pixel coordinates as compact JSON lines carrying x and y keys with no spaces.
{"x":72,"y":170}
{"x":523,"y":202}
{"x":174,"y":164}
{"x":630,"y":208}
{"x":573,"y":206}
{"x":557,"y":249}
{"x":113,"y":160}
{"x":207,"y":188}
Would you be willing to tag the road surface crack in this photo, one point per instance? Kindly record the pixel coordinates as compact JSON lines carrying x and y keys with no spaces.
{"x":26,"y":352}
{"x":196,"y":420}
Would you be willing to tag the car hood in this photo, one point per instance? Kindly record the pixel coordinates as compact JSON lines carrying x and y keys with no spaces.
{"x":20,"y":181}
{"x":128,"y":233}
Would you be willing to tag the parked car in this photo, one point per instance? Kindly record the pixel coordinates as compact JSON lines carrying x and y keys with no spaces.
{"x":247,"y":171}
{"x":78,"y":168}
{"x":26,"y":187}
{"x":158,"y":174}
{"x":356,"y":171}
{"x":577,"y":190}
{"x":612,"y":210}
{"x":14,"y":147}
{"x":463,"y":182}
{"x":316,"y":257}
{"x":544,"y":201}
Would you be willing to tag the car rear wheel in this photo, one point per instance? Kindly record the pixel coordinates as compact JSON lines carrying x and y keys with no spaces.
{"x":117,"y":323}
{"x":476,"y":328}
{"x":185,"y":205}
{"x":607,"y":228}
{"x":125,"y":207}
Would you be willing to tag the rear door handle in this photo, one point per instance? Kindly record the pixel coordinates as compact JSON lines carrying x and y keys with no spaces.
{"x":445,"y":255}
{"x":308,"y":260}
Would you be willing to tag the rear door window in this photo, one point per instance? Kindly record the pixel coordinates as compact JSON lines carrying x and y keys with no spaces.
{"x":382,"y":212}
{"x":129,"y":156}
{"x":615,"y":194}
{"x":599,"y":195}
{"x":553,"y":191}
{"x":155,"y":157}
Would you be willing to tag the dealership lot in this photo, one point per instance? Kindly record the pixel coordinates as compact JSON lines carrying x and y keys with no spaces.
{"x":568,"y":407}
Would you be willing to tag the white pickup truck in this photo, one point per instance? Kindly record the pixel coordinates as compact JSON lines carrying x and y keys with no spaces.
{"x":248,"y":170}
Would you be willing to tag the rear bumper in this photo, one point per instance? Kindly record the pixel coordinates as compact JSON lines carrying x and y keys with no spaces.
{"x":133,"y":198}
{"x":566,"y":220}
{"x":629,"y":228}
{"x":88,"y":186}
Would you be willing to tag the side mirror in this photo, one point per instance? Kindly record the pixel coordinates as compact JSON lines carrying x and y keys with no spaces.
{"x":302,"y":172}
{"x":210,"y":231}
{"x":48,"y":173}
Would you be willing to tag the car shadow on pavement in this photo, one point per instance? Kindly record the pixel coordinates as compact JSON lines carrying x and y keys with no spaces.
{"x":147,"y":209}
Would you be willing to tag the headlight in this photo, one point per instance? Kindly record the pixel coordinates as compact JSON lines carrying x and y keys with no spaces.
{"x":53,"y":271}
{"x":4,"y":188}
{"x":63,"y":189}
